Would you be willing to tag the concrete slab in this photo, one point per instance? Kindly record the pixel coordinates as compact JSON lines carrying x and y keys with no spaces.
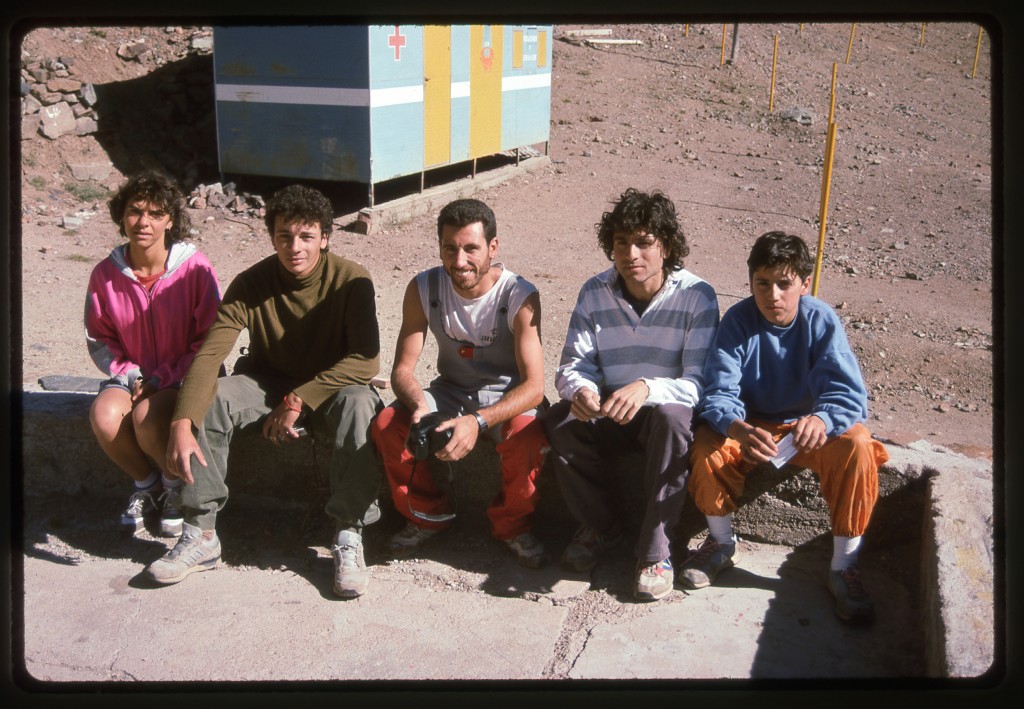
{"x":464,"y":611}
{"x":97,"y":620}
{"x":769,"y":617}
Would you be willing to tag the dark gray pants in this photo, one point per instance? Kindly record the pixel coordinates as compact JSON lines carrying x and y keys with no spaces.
{"x":582,"y":455}
{"x":343,"y":421}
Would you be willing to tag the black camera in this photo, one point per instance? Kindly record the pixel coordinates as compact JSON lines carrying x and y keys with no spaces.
{"x":423,"y":440}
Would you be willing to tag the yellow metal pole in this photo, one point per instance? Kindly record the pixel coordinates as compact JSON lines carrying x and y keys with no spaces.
{"x":823,"y":211}
{"x":977,"y":50}
{"x":850,"y":47}
{"x":686,"y":30}
{"x":921,"y":42}
{"x":771,"y":96}
{"x":723,"y":43}
{"x":832,"y":96}
{"x":801,"y":28}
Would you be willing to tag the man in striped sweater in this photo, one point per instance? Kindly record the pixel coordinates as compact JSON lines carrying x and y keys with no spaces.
{"x":630,"y":376}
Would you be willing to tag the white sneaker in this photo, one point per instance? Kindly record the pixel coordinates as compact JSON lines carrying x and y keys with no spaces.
{"x":140,"y":504}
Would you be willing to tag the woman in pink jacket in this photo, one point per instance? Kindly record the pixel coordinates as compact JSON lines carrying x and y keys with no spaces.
{"x":148,"y":308}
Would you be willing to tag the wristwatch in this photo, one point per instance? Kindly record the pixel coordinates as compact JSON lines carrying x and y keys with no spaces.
{"x":481,"y":421}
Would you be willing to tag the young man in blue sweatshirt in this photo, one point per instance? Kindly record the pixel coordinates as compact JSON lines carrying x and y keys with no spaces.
{"x":781,"y":376}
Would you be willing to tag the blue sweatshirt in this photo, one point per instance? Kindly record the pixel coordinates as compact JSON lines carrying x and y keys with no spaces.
{"x":779,"y":374}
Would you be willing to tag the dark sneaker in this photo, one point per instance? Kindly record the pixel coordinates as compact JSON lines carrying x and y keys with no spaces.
{"x":192,"y":553}
{"x":171,"y":518}
{"x":701,"y":568}
{"x":351,"y":579}
{"x":587,"y":546}
{"x":853,"y":603}
{"x":140,"y":504}
{"x":410,"y":539}
{"x":528,"y":549}
{"x":654,"y":581}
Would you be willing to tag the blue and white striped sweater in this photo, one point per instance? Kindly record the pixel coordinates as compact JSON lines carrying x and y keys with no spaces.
{"x":608,"y":345}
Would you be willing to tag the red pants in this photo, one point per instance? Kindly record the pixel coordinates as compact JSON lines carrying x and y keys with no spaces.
{"x":847,"y":469}
{"x":521,"y":452}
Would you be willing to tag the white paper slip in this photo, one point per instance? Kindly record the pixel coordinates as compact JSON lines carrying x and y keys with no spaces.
{"x":786,"y":451}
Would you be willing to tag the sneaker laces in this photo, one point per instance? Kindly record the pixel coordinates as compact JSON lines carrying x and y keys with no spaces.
{"x":188,"y":546}
{"x":656,"y":568}
{"x":347,"y":555}
{"x":854,"y":584}
{"x":137,"y":503}
{"x":590,"y":538}
{"x":704,"y":552}
{"x":586,"y":536}
{"x":169,"y":499}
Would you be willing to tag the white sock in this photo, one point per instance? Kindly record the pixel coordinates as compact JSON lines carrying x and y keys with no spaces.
{"x":844,"y":552}
{"x":720,"y":529}
{"x":148,"y":482}
{"x":170,"y":483}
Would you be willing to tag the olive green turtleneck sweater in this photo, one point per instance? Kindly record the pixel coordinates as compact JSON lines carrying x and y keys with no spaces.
{"x":318,"y":331}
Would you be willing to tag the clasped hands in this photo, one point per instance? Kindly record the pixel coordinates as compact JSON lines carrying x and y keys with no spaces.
{"x":620,"y":406}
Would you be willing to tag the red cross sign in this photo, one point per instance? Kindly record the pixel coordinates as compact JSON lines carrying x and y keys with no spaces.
{"x":397,"y":40}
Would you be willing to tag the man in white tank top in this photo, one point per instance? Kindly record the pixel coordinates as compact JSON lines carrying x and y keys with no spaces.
{"x":486,"y":321}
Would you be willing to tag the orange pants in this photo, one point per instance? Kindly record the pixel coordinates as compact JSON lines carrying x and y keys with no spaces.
{"x":847,"y":469}
{"x":521,"y":450}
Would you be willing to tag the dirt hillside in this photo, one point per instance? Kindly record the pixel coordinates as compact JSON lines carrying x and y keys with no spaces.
{"x":907,"y":260}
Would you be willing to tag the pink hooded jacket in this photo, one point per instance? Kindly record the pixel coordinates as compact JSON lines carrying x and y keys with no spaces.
{"x":132,"y":332}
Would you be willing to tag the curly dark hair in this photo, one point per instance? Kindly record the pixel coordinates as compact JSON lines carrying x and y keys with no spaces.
{"x":159,"y":190}
{"x":302,"y":204}
{"x":653,"y":213}
{"x":777,"y":248}
{"x":463,"y":212}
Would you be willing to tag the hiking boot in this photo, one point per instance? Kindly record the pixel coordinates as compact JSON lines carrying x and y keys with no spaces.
{"x":193,"y":552}
{"x":351,"y":579}
{"x":586,"y":546}
{"x":171,"y":518}
{"x":410,"y":539}
{"x":853,"y":603}
{"x":528,"y":550}
{"x":140,"y":504}
{"x":653,"y":581}
{"x":701,"y":568}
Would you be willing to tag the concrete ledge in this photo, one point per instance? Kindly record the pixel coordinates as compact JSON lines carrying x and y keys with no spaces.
{"x":937,"y":499}
{"x":957,"y":582}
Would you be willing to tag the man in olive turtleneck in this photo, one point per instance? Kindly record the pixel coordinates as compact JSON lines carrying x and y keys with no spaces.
{"x":314,"y":346}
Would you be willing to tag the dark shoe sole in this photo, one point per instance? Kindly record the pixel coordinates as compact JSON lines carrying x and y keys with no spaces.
{"x":689,"y":583}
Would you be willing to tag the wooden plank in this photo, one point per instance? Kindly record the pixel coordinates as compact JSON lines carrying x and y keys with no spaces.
{"x":613,"y":41}
{"x":588,"y":33}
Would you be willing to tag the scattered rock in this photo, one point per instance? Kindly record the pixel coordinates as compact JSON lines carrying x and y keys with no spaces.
{"x":133,"y":50}
{"x":56,"y":120}
{"x":97,"y":171}
{"x":803,"y":116}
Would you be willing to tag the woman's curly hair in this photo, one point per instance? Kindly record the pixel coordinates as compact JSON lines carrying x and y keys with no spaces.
{"x":160,"y":191}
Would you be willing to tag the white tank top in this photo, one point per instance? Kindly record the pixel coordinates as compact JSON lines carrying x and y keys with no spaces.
{"x":473,"y":319}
